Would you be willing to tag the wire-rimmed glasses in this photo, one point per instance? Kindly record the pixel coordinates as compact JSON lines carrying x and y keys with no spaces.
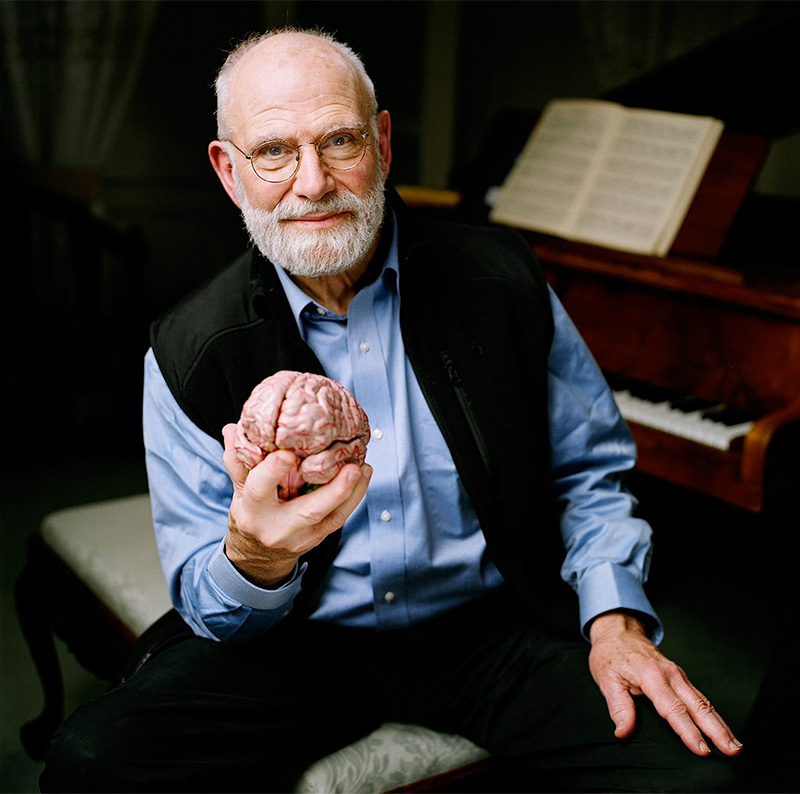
{"x":278,"y":160}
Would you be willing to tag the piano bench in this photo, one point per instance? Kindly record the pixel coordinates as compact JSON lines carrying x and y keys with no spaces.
{"x":93,"y":578}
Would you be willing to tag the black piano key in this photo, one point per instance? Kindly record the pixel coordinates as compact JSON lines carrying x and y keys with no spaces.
{"x":728,"y":415}
{"x":688,"y":403}
{"x":653,"y":394}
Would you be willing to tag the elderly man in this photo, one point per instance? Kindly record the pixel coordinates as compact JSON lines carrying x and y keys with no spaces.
{"x":431,"y":584}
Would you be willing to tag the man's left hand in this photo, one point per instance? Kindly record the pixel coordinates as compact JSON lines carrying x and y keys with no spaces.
{"x":624,"y":662}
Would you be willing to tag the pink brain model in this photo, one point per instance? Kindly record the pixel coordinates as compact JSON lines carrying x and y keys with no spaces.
{"x":314,"y":416}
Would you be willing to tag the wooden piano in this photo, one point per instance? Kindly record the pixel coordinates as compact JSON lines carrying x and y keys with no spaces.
{"x":705,"y":363}
{"x":695,"y":322}
{"x":693,"y":329}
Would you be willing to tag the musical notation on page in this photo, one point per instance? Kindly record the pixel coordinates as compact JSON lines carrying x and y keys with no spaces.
{"x":597,"y":172}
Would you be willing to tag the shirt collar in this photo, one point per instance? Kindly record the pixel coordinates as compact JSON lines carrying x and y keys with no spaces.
{"x":299,"y":301}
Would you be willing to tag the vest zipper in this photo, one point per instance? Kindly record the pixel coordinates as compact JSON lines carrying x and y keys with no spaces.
{"x":466,"y":407}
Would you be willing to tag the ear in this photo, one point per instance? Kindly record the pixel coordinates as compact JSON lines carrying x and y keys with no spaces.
{"x":385,"y":140}
{"x":223,"y":165}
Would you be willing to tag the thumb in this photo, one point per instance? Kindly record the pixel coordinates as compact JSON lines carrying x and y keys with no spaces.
{"x":622,"y":711}
{"x":264,"y":479}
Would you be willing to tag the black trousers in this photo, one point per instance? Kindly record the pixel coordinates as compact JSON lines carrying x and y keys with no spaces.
{"x":207,"y":716}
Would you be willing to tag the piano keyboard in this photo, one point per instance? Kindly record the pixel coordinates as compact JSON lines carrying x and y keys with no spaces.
{"x":702,"y":421}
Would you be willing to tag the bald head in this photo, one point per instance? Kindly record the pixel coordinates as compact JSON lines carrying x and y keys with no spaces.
{"x":289,"y":56}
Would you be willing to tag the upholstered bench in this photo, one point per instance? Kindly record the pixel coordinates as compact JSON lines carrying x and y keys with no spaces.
{"x":94,"y":579}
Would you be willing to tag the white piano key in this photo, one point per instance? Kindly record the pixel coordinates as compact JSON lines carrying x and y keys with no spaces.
{"x":690,"y":425}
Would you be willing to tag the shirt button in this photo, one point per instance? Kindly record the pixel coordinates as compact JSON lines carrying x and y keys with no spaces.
{"x":377,"y":433}
{"x":386,"y":516}
{"x":320,"y":310}
{"x":389,"y":597}
{"x":364,"y":347}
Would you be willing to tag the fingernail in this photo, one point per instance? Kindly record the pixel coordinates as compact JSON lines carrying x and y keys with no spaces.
{"x":704,"y":748}
{"x":353,"y":476}
{"x":736,"y":745}
{"x":367,"y":471}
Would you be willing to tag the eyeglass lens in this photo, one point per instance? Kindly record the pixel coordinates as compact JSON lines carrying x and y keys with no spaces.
{"x":340,"y":150}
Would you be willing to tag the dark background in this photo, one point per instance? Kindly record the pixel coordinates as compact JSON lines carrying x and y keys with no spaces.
{"x":96,"y":241}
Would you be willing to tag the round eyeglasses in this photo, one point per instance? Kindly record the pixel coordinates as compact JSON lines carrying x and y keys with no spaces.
{"x":278,"y":160}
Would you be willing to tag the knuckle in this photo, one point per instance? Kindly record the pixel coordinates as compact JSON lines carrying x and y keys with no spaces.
{"x":677,"y":707}
{"x":671,"y":669}
{"x":704,"y":706}
{"x":617,"y":710}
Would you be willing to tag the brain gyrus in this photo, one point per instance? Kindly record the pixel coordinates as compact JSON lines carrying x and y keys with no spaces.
{"x":311,"y":415}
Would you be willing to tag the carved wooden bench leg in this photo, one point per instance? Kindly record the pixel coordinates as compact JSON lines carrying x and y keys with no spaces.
{"x":34,"y":614}
{"x":53,"y":602}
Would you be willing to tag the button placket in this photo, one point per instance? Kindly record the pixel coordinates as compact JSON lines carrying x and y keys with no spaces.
{"x":368,"y":347}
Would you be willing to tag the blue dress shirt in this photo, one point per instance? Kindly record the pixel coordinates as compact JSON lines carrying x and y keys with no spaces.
{"x":413,"y":548}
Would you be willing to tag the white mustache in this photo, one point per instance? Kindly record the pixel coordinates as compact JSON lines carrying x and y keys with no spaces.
{"x":305,"y":208}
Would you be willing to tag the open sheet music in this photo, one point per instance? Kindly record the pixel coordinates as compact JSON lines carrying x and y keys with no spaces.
{"x":598,"y":172}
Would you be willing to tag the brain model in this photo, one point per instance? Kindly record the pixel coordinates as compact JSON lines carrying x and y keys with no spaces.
{"x":314,"y":417}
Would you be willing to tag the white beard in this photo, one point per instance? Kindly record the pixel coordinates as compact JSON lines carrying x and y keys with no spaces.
{"x":325,"y":252}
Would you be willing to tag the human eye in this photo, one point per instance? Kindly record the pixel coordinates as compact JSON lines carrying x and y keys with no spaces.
{"x":273,"y":153}
{"x":340,"y":143}
{"x":342,"y":138}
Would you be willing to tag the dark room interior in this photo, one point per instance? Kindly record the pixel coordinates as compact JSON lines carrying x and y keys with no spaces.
{"x":112,"y":213}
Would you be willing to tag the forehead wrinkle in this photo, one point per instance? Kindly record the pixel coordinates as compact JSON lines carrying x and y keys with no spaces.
{"x":309,"y":82}
{"x":289,"y":127}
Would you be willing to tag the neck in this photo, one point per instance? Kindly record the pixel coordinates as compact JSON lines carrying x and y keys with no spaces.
{"x":336,"y":292}
{"x":332,"y":292}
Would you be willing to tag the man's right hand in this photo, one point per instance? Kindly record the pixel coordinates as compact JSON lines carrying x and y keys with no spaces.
{"x":266,"y":535}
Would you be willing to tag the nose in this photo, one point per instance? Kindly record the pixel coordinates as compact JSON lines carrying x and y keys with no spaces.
{"x":313,"y":179}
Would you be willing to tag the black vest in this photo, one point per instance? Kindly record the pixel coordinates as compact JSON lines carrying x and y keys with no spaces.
{"x":477,"y":326}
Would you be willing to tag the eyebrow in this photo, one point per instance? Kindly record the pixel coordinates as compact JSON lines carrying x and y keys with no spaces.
{"x":290,"y":139}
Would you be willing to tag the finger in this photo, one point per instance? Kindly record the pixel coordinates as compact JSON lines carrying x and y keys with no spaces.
{"x":332,"y":503}
{"x":676,"y":711}
{"x":237,"y":471}
{"x":621,"y":709}
{"x":345,"y":510}
{"x":706,"y":717}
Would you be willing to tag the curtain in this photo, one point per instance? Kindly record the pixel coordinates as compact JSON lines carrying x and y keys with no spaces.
{"x":70,"y":69}
{"x":70,"y":315}
{"x":626,"y":39}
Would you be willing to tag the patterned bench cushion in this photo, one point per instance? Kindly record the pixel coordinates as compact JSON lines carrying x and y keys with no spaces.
{"x":394,"y":755}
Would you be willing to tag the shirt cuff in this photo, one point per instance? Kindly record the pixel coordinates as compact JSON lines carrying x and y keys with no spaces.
{"x":234,"y":585}
{"x":607,"y":587}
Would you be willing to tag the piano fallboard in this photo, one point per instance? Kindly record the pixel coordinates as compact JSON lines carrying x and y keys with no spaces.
{"x":698,"y":329}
